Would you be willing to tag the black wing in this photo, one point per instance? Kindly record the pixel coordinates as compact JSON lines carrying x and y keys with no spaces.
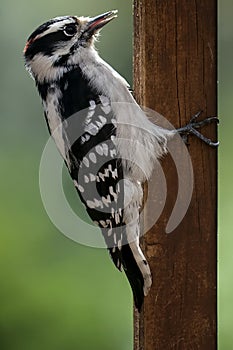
{"x":97,"y":172}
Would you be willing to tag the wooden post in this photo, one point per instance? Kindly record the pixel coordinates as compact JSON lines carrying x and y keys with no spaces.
{"x":175,"y":75}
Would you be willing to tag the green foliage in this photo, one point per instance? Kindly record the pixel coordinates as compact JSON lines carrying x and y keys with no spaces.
{"x":225,"y":175}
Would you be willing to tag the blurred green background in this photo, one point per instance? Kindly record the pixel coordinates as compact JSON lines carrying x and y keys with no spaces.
{"x":225,"y":77}
{"x":54,"y":293}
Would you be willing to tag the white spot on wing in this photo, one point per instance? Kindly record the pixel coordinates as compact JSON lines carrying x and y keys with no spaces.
{"x":117,"y":218}
{"x":106,"y":200}
{"x":79,"y":187}
{"x":92,"y":177}
{"x":104,"y":100}
{"x":103,"y":223}
{"x":86,"y":179}
{"x":113,"y":153}
{"x":86,"y":162}
{"x":92,"y":105}
{"x":98,"y":203}
{"x":90,"y":204}
{"x":94,"y":204}
{"x":92,"y":157}
{"x":115,"y":174}
{"x":85,"y":138}
{"x":105,"y":149}
{"x":102,"y":119}
{"x":99,"y":125}
{"x":99,"y":150}
{"x":92,"y":129}
{"x":106,"y":109}
{"x":115,"y":196}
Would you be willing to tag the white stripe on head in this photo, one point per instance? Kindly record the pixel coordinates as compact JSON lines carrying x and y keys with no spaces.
{"x":56,"y":26}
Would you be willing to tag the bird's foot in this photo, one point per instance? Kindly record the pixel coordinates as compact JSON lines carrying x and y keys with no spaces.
{"x":193,"y":125}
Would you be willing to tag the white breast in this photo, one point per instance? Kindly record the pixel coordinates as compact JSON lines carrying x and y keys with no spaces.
{"x":51,"y":108}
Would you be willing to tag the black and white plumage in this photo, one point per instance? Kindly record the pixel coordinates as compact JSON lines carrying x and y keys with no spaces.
{"x":91,"y":114}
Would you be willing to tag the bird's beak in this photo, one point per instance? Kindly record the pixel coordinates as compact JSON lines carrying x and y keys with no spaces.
{"x":98,"y":22}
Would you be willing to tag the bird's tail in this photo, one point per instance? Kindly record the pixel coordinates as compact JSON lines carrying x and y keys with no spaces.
{"x":136,"y":268}
{"x":129,"y":254}
{"x":134,"y":262}
{"x":137,"y":271}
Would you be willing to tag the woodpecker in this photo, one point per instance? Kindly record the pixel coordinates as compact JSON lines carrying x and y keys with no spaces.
{"x":72,"y":80}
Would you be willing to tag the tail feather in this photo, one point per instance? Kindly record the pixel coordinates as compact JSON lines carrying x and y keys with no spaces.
{"x":142,"y":265}
{"x":136,"y":268}
{"x":134,"y":275}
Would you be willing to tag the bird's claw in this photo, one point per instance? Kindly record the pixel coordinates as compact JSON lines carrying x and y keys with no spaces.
{"x":193,"y":125}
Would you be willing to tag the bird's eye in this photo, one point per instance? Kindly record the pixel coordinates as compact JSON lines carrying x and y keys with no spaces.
{"x":70,"y":29}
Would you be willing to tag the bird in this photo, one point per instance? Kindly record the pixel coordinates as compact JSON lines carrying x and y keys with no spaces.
{"x":100,"y":130}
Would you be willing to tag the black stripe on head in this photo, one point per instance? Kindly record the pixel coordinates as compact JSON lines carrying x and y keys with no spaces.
{"x":46,"y":43}
{"x":43,"y":27}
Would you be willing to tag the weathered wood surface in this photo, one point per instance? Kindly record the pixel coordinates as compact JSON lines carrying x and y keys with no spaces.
{"x":175,"y":75}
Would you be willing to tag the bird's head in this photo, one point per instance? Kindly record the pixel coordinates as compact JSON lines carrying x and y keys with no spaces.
{"x":61,"y":42}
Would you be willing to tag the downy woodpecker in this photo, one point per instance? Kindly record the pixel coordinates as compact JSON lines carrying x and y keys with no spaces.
{"x":73,"y":80}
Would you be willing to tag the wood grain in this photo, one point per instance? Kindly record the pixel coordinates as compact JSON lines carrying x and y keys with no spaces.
{"x":175,"y":75}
